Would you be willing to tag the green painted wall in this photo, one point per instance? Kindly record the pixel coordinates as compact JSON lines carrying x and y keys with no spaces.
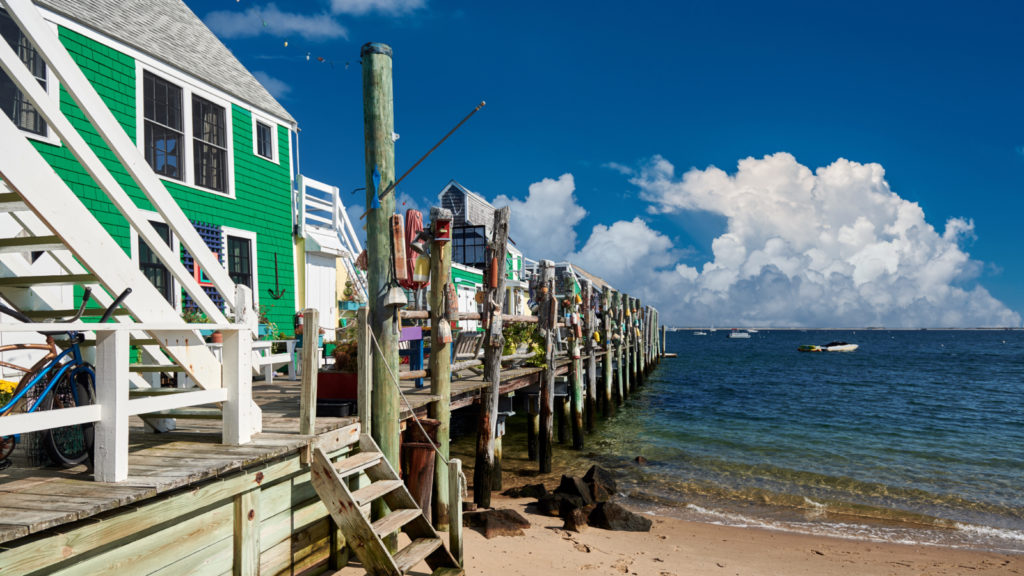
{"x":262,"y":201}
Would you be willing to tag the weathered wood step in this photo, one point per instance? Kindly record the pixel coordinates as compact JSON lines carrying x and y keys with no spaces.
{"x":395,"y":520}
{"x":11,"y":202}
{"x":30,"y":244}
{"x":356,"y":463}
{"x":155,"y":368}
{"x":415,"y":552}
{"x":47,"y":280}
{"x":368,"y":494}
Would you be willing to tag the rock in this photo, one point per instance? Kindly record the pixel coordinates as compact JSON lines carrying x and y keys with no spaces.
{"x":496,"y":522}
{"x":575,"y":520}
{"x":599,"y":476}
{"x":575,"y":487}
{"x":640,"y":460}
{"x":611,"y":516}
{"x":599,"y":493}
{"x":528,"y":491}
{"x":553,"y":503}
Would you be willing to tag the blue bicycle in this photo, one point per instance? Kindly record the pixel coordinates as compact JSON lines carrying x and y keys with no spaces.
{"x":58,"y":380}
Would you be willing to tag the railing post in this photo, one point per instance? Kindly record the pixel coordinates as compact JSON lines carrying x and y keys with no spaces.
{"x":455,"y":511}
{"x":310,"y":365}
{"x":364,"y":395}
{"x":111,"y":434}
{"x":236,"y":373}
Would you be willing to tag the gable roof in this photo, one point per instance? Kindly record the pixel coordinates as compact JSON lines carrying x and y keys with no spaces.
{"x":170,"y":32}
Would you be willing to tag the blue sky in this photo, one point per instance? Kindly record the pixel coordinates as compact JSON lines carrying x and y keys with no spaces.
{"x":733,"y":163}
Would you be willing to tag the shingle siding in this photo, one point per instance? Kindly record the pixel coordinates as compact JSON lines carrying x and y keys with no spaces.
{"x":262,"y":201}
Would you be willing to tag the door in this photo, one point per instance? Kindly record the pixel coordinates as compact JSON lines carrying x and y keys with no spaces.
{"x":321,"y":290}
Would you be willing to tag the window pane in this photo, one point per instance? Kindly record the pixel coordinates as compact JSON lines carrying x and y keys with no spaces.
{"x":264,"y":140}
{"x":163,"y":128}
{"x":209,"y":144}
{"x":151,"y":266}
{"x":240,"y":260}
{"x":16,"y":105}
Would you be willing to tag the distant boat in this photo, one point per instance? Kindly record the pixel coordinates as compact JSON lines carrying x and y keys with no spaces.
{"x":736,"y":333}
{"x":752,"y":330}
{"x":830,"y":347}
{"x":700,"y":333}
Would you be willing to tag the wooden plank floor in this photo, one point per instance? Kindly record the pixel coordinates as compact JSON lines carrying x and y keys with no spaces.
{"x":35,"y":498}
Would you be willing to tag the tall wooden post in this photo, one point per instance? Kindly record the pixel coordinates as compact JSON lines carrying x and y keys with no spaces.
{"x":546,"y":323}
{"x":576,"y":372}
{"x":310,"y":365}
{"x":589,"y":326}
{"x":494,"y":299}
{"x":664,"y":340}
{"x":607,"y":405}
{"x":627,"y":345}
{"x":620,"y":346}
{"x":533,"y":426}
{"x":378,"y":132}
{"x":440,"y":368}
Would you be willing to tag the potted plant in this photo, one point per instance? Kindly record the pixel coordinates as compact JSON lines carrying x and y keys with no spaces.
{"x":195,"y":316}
{"x":341,"y":381}
{"x":267,"y":329}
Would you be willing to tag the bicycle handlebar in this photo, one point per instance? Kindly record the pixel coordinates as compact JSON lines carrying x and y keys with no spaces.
{"x":86,"y":295}
{"x":112,"y":307}
{"x":15,"y":314}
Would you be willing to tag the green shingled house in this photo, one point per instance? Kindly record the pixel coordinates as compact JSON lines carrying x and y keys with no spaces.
{"x":218,"y":142}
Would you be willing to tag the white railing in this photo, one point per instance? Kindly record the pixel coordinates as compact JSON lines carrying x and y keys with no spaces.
{"x":113,"y":407}
{"x":322,"y":208}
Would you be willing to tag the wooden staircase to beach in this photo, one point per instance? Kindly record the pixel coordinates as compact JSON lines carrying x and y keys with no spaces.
{"x":351,"y":512}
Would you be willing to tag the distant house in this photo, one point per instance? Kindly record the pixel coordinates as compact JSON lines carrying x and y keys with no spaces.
{"x":472,"y":223}
{"x":218,"y":141}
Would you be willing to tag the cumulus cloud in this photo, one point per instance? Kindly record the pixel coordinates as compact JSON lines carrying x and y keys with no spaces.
{"x":830,"y":247}
{"x":543,"y":224}
{"x":386,"y":7}
{"x":277,"y":88}
{"x":270,"y":20}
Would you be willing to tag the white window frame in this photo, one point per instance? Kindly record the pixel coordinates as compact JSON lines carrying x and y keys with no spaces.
{"x":226,"y":231}
{"x":187,"y":90}
{"x":256,"y":119}
{"x":175,"y":248}
{"x":53,"y":92}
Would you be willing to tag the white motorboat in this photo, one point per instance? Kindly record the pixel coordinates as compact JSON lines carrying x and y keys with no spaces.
{"x":736,"y":333}
{"x":700,"y":333}
{"x":830,"y":347}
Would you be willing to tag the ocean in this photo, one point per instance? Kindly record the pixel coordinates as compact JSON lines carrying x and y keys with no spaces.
{"x":916,"y":437}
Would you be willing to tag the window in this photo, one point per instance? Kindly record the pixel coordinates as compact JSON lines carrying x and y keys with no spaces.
{"x":240,"y":260}
{"x":469,"y":245}
{"x":164,"y":129}
{"x":264,"y":140}
{"x":209,"y":146}
{"x":15,"y":104}
{"x":153,"y":268}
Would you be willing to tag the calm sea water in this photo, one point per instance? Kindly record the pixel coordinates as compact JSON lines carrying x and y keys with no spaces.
{"x":918,"y":436}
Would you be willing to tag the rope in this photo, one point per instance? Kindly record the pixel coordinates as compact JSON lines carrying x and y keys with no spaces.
{"x":394,"y":380}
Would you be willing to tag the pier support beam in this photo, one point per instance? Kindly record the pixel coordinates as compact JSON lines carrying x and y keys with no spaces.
{"x":532,"y":426}
{"x":548,"y":317}
{"x":607,"y":405}
{"x":440,"y":368}
{"x":590,"y":351}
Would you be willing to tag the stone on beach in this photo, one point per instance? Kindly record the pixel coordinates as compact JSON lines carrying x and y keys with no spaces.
{"x":612,"y":516}
{"x":528,"y":491}
{"x":574,"y":486}
{"x":503,"y":522}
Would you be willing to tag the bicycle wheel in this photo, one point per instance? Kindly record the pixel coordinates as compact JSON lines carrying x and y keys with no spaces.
{"x":70,"y":446}
{"x":6,"y":446}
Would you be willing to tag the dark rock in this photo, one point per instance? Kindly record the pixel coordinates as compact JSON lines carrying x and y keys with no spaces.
{"x":611,"y":516}
{"x":575,"y":520}
{"x":574,"y":486}
{"x":599,"y":476}
{"x":553,"y":503}
{"x":599,"y":493}
{"x":528,"y":491}
{"x":496,"y":522}
{"x":640,"y":460}
{"x":468,"y":506}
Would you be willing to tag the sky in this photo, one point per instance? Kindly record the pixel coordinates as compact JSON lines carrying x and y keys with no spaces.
{"x":786,"y":164}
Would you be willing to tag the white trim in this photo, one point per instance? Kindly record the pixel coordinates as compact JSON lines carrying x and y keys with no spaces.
{"x":187,"y":157}
{"x":151,"y":62}
{"x":175,"y":247}
{"x":257,"y":119}
{"x":226,"y":231}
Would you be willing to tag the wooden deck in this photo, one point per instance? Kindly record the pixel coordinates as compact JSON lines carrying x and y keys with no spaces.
{"x":36,"y":499}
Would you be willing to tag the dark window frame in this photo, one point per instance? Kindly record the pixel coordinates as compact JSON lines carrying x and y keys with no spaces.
{"x":241,"y":270}
{"x":164,"y":126}
{"x":469,"y":245}
{"x":264,"y":143}
{"x":13,"y":101}
{"x":151,"y":266}
{"x":209,"y":144}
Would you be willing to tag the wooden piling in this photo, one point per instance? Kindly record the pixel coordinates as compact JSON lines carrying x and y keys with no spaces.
{"x":378,"y":128}
{"x":590,"y":351}
{"x":620,"y":346}
{"x":310,"y":366}
{"x":548,"y":317}
{"x":607,"y":405}
{"x":440,"y":368}
{"x":532,"y":426}
{"x":455,"y":498}
{"x":494,"y":298}
{"x":496,"y":468}
{"x":627,"y":346}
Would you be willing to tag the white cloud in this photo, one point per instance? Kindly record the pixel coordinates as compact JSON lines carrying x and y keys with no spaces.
{"x":256,"y":21}
{"x":832,"y":247}
{"x":543,"y":224}
{"x":277,"y":88}
{"x":387,"y":7}
{"x":620,"y":168}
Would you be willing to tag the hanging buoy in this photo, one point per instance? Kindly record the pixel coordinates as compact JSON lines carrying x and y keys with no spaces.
{"x":421,"y":270}
{"x":494,"y":272}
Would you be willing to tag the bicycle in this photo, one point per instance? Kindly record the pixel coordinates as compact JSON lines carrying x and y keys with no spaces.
{"x":57,"y":380}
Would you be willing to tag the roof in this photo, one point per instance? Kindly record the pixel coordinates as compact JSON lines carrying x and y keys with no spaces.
{"x":170,"y":32}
